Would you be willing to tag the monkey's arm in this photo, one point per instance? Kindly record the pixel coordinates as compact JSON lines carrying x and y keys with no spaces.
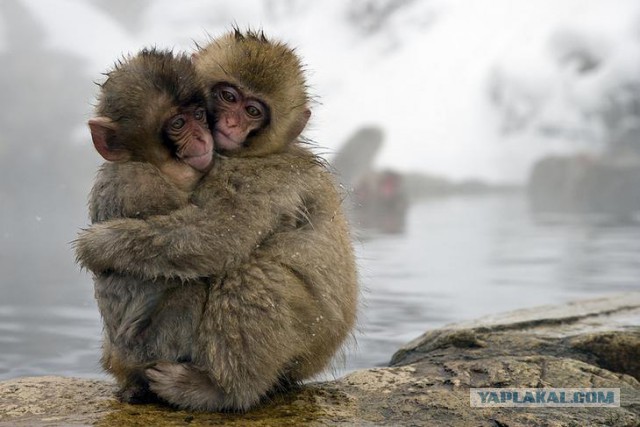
{"x":237,"y":215}
{"x":185,"y":244}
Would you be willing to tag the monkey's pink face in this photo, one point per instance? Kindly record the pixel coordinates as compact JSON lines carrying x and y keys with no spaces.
{"x":190,"y":133}
{"x":237,"y":115}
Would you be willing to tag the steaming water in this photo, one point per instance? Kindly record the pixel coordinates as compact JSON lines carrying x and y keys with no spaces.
{"x":461,"y":258}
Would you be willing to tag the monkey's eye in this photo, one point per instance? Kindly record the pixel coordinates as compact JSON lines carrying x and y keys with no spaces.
{"x":178,"y":123}
{"x":199,"y":114}
{"x":228,"y":96}
{"x":254,"y":111}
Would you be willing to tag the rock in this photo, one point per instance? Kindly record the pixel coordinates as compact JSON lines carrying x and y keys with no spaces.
{"x":582,"y":184}
{"x":553,"y":183}
{"x":592,"y":343}
{"x":611,"y":189}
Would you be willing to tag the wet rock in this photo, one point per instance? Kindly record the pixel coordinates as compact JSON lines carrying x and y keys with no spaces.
{"x":593,"y":344}
{"x":615,"y":351}
{"x":589,"y":344}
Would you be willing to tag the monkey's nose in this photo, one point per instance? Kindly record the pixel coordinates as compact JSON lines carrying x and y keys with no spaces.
{"x":232,"y":120}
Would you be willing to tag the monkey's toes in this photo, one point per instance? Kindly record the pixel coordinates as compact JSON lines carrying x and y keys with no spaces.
{"x":164,"y":375}
{"x":185,"y":386}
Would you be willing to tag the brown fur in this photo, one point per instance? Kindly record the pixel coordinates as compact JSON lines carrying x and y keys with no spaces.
{"x":271,"y":71}
{"x":269,"y":233}
{"x":139,"y":314}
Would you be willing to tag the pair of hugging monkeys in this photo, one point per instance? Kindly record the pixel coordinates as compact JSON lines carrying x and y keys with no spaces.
{"x":221,"y":275}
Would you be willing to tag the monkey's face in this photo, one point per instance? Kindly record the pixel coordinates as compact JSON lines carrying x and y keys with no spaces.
{"x":238,"y":115}
{"x":191,"y":140}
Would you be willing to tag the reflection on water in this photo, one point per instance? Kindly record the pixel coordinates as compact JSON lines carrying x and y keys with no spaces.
{"x":62,"y":340}
{"x":466,"y":257}
{"x":49,"y":331}
{"x":461,"y":258}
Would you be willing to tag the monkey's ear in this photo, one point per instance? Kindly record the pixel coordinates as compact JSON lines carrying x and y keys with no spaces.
{"x":298,"y":125}
{"x":103,"y":132}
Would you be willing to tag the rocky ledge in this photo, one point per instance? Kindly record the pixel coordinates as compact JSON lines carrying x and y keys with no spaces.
{"x":591,"y":344}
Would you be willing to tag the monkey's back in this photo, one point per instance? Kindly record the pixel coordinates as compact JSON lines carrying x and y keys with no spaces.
{"x":305,"y":265}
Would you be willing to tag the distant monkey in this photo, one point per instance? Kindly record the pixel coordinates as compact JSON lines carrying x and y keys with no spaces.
{"x":265,"y":226}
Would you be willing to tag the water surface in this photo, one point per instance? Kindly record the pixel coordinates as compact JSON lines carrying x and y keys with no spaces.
{"x":459,"y":259}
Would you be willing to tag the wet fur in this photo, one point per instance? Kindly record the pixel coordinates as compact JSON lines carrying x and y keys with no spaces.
{"x":261,"y":263}
{"x":278,"y":307}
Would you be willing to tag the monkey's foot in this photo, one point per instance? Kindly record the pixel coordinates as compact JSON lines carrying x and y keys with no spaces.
{"x":185,"y":386}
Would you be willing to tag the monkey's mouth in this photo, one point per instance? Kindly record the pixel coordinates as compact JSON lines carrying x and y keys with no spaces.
{"x":200,"y":162}
{"x":223,"y":141}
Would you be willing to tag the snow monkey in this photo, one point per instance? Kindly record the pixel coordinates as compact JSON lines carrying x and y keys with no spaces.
{"x":152,"y":128}
{"x":262,"y":247}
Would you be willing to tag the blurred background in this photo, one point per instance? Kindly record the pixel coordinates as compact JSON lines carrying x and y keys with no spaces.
{"x":491,"y":150}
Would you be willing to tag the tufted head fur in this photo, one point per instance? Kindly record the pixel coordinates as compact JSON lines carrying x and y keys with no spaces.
{"x":269,"y":70}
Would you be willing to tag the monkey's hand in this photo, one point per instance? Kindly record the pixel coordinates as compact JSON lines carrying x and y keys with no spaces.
{"x":147,"y":248}
{"x":96,"y":248}
{"x":188,"y":244}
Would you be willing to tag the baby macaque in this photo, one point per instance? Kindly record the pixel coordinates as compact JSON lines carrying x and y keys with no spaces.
{"x":263,"y":231}
{"x":152,"y":128}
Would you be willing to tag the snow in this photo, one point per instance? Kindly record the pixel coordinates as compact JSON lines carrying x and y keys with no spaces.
{"x":423,"y":77}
